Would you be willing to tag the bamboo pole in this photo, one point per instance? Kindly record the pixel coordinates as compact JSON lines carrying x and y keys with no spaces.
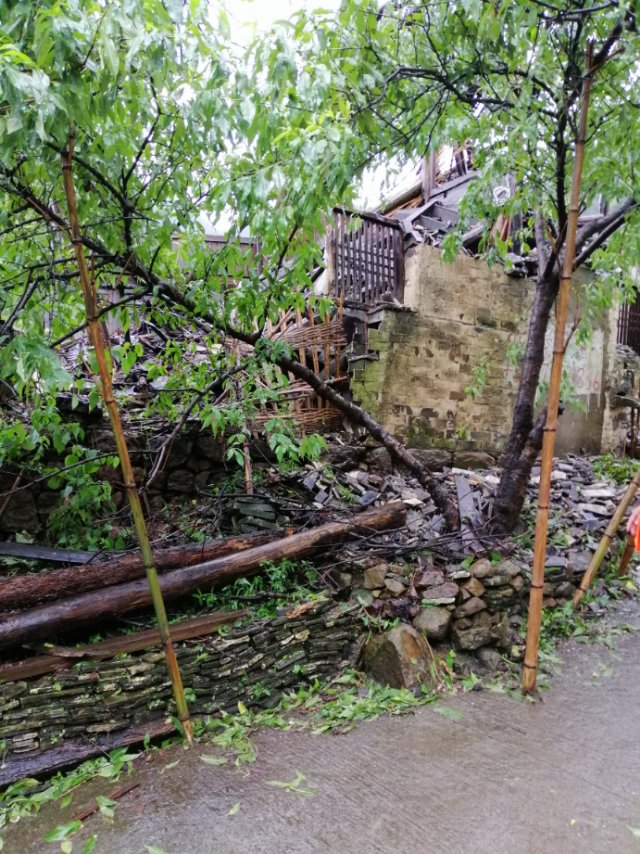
{"x":607,"y":538}
{"x":106,"y":390}
{"x":530,"y":668}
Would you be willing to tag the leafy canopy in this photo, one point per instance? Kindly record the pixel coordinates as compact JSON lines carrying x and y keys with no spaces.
{"x":177,"y":128}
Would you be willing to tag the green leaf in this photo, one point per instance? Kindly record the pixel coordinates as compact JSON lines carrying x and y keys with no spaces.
{"x":214,"y":760}
{"x":106,"y":806}
{"x":235,"y":809}
{"x":62,"y":831}
{"x":294,"y":785}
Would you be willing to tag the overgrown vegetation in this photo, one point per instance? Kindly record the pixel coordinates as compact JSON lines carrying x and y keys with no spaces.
{"x":277,"y":586}
{"x":620,"y":470}
{"x":177,"y":128}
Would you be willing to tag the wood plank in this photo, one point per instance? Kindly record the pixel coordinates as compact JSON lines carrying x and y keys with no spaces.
{"x":467,"y":509}
{"x":63,"y":657}
{"x":398,"y":289}
{"x":330,"y":261}
{"x":319,"y":403}
{"x":78,"y":750}
{"x":29,"y":550}
{"x":370,"y":217}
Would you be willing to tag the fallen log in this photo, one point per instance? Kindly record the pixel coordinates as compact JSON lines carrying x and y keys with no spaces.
{"x":73,"y":752}
{"x":60,"y":658}
{"x":24,"y":591}
{"x":73,"y":612}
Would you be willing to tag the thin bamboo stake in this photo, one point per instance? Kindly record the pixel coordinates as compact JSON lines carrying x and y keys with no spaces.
{"x":106,"y":390}
{"x":530,"y":668}
{"x":607,"y":539}
{"x":7,"y":501}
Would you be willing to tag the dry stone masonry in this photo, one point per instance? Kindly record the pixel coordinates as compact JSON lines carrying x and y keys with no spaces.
{"x":254,"y":664}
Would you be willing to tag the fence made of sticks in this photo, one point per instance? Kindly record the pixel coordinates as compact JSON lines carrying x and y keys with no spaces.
{"x":365,"y":258}
{"x":318,"y":342}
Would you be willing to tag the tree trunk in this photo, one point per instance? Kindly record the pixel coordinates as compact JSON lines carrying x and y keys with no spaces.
{"x":525,"y":439}
{"x":24,"y":591}
{"x":88,"y":608}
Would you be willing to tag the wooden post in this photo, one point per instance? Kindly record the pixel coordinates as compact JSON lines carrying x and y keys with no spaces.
{"x":530,"y":668}
{"x":607,"y":538}
{"x":106,"y":390}
{"x":627,"y":554}
{"x":330,"y":259}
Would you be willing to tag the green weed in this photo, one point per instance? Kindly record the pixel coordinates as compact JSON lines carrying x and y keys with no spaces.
{"x":277,"y":586}
{"x":620,"y":470}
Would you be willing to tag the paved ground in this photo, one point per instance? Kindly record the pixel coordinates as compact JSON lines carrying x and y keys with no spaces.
{"x":508,"y":775}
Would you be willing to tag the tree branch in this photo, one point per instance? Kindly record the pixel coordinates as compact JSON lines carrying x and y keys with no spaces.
{"x":599,"y":230}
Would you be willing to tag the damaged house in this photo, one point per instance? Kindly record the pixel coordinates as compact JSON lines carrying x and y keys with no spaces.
{"x":436,"y":345}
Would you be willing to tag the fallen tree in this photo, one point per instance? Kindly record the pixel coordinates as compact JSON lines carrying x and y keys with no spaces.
{"x":24,"y":591}
{"x":76,"y":611}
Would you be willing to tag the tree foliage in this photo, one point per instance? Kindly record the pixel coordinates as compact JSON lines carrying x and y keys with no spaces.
{"x":176,"y":127}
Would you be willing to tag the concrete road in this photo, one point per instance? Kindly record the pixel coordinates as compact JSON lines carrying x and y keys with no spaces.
{"x":505,"y":775}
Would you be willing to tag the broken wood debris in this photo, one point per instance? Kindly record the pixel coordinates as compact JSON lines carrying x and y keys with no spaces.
{"x":61,"y":657}
{"x":24,"y":591}
{"x":93,"y":806}
{"x":85,"y":608}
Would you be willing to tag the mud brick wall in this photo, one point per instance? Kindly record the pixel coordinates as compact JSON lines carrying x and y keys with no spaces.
{"x":254,"y":664}
{"x":457,"y":315}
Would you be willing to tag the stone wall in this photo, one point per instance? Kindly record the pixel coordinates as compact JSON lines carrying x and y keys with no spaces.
{"x":195,"y":460}
{"x":476,"y":610}
{"x":470,"y":609}
{"x":254,"y":664}
{"x":457,"y":316}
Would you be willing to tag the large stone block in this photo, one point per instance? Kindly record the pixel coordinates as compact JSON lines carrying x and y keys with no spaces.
{"x":401,"y":658}
{"x":434,"y":621}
